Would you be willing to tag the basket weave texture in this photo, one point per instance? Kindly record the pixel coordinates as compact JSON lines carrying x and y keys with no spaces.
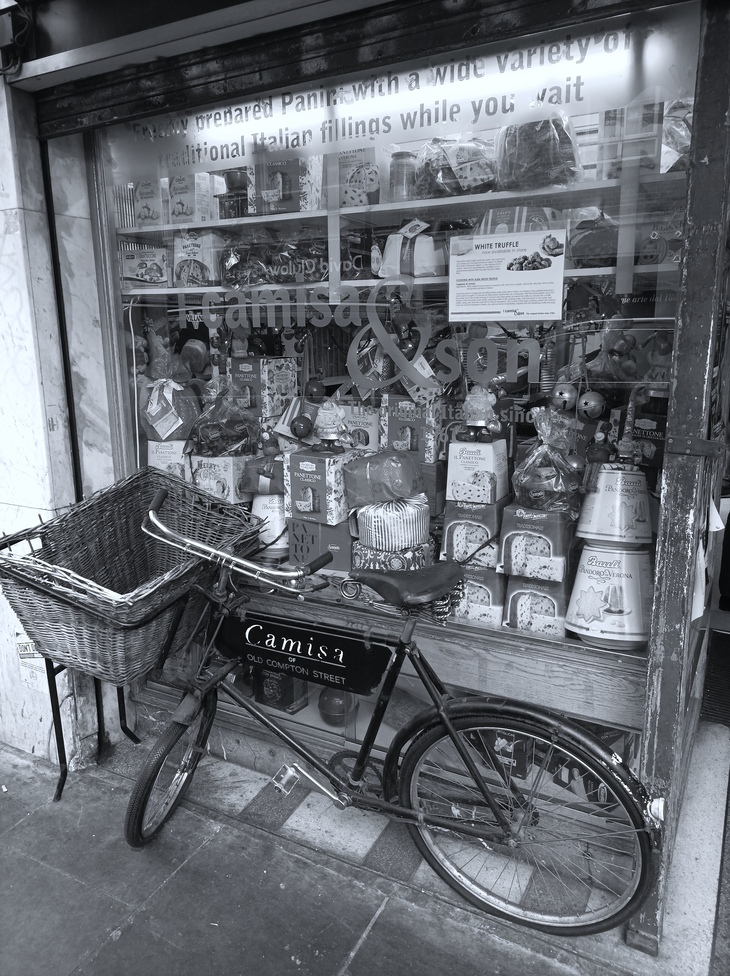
{"x":97,"y":594}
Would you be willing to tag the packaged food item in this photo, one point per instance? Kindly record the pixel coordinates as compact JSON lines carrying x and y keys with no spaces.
{"x":482,"y":602}
{"x":535,"y":544}
{"x":143,"y":267}
{"x":592,"y":239}
{"x":225,"y":428}
{"x":310,"y":539}
{"x":393,"y":560}
{"x":315,"y":486}
{"x":359,"y":178}
{"x":289,"y":184}
{"x":382,"y":476}
{"x":147,"y":203}
{"x":265,"y":385}
{"x":190,"y":198}
{"x":538,"y":153}
{"x":409,"y":426}
{"x":402,"y":176}
{"x":477,"y":472}
{"x":536,"y":606}
{"x":545,"y":480}
{"x":196,"y":256}
{"x":411,"y":252}
{"x":677,"y":134}
{"x":393,"y":525}
{"x":468,"y":530}
{"x":260,"y":255}
{"x":450,"y":167}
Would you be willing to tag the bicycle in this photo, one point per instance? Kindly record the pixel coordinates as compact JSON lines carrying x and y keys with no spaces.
{"x":520,"y":810}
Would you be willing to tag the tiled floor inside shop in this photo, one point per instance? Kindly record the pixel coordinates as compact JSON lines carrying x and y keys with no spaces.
{"x":245,"y":881}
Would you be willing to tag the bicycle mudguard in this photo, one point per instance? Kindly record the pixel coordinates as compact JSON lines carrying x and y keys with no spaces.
{"x":517,"y":710}
{"x":188,"y":709}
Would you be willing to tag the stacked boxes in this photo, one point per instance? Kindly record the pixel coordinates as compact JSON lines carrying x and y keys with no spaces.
{"x":535,"y":551}
{"x":477,"y":491}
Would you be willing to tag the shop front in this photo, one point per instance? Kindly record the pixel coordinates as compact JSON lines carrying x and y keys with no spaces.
{"x":424,"y":281}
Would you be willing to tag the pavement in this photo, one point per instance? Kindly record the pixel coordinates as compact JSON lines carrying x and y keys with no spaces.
{"x":243,"y":880}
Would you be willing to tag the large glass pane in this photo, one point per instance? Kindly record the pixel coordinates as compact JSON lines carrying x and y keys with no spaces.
{"x":473,"y":259}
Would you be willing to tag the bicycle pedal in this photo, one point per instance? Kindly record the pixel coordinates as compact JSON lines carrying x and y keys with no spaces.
{"x":285,"y":780}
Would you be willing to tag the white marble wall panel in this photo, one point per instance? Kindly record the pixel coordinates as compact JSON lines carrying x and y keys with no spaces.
{"x":35,"y":459}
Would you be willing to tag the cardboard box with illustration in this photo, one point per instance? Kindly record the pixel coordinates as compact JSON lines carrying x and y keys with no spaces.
{"x":314,"y":484}
{"x":535,"y":544}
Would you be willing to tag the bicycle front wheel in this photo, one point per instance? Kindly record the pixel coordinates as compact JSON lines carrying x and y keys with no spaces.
{"x":574,"y":858}
{"x":167,"y":774}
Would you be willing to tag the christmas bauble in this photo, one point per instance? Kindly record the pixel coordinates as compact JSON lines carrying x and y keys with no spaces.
{"x":564,"y":396}
{"x":315,"y":390}
{"x":301,"y":426}
{"x":576,"y":463}
{"x":591,"y":405}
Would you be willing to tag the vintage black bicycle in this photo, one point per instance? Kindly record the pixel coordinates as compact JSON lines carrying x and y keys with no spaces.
{"x":520,"y":810}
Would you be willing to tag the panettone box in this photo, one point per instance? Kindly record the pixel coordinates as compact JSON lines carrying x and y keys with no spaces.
{"x":289,"y":184}
{"x":535,"y":544}
{"x":196,"y":256}
{"x":434,"y":482}
{"x":307,"y":540}
{"x":314,"y":484}
{"x":482,"y":602}
{"x":169,"y":456}
{"x":409,"y":426}
{"x":467,"y":527}
{"x":265,"y":385}
{"x":536,"y":606}
{"x":477,"y":472}
{"x":650,"y":431}
{"x":362,"y":422}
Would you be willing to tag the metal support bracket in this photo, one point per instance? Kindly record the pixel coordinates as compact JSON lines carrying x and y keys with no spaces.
{"x":695,"y":447}
{"x":52,"y":671}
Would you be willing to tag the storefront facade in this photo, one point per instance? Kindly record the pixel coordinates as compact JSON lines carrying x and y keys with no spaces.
{"x":334,"y":195}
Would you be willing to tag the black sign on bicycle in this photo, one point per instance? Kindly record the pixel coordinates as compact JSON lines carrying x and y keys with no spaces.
{"x":319,"y":654}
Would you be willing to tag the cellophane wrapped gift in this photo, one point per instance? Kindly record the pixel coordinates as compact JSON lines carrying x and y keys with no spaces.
{"x":545,"y":480}
{"x":382,"y":476}
{"x":225,"y":428}
{"x":450,"y":167}
{"x":169,"y":406}
{"x":543,"y":152}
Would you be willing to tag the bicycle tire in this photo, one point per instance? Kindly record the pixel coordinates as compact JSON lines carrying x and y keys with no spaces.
{"x":167,"y":774}
{"x":577,"y":861}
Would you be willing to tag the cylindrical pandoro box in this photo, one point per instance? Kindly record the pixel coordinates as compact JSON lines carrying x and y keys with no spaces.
{"x":617,"y":512}
{"x":274,"y":533}
{"x":610,"y":603}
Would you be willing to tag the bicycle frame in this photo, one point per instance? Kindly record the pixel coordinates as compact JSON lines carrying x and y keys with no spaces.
{"x":348,"y":792}
{"x":296,"y":582}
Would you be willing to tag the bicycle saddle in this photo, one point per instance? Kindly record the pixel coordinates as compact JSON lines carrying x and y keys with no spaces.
{"x":414,"y":587}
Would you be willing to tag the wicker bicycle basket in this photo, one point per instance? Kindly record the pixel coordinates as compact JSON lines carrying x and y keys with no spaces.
{"x":97,"y":594}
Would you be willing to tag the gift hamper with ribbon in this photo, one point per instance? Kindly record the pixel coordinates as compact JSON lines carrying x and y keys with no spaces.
{"x":96,"y":594}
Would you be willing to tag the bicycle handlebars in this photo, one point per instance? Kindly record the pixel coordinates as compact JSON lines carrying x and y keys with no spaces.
{"x":226,"y":559}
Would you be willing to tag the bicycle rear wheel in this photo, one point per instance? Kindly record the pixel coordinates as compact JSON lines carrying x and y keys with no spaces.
{"x":576,"y":857}
{"x":167,"y":774}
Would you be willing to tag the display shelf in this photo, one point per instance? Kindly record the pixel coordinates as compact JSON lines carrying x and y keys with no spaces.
{"x":251,"y":220}
{"x":604,"y":686}
{"x":599,"y":193}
